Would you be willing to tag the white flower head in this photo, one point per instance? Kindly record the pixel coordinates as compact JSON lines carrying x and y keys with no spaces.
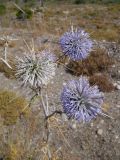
{"x":36,"y":69}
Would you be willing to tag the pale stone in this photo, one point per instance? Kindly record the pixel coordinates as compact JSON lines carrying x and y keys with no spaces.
{"x":100,"y":132}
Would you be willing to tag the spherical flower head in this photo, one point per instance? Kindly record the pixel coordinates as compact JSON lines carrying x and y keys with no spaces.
{"x":76,"y":44}
{"x":37,"y":69}
{"x":80,"y":100}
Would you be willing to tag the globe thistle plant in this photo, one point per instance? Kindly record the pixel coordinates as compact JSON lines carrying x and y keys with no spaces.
{"x":76,"y":44}
{"x":81,"y":101}
{"x":36,"y":70}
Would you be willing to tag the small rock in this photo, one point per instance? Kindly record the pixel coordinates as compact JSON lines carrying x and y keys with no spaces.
{"x":64,"y":117}
{"x":61,"y":73}
{"x":66,"y":12}
{"x":118,"y":106}
{"x":74,"y":126}
{"x":118,"y":82}
{"x":116,"y":137}
{"x":44,"y":40}
{"x":52,"y":82}
{"x":64,"y":84}
{"x":117,"y":85}
{"x":100,"y":132}
{"x":104,"y":41}
{"x":91,"y":125}
{"x":102,"y":121}
{"x":113,"y":66}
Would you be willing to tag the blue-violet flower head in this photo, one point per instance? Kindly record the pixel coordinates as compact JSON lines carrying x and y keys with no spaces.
{"x":76,"y":44}
{"x":81,"y":101}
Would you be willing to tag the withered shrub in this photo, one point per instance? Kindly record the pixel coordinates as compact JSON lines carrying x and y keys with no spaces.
{"x":97,"y":61}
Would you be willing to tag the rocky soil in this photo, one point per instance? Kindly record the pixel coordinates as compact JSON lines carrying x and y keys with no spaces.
{"x":97,"y":140}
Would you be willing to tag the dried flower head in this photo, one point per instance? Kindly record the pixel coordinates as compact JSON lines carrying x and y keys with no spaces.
{"x":7,"y":39}
{"x":36,"y":70}
{"x":80,"y":100}
{"x":76,"y":44}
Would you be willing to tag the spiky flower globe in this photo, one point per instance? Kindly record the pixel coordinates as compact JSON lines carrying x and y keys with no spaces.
{"x":76,"y":44}
{"x":81,"y":101}
{"x":36,"y":70}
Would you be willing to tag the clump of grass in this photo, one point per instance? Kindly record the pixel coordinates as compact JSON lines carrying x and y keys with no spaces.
{"x":26,"y":15}
{"x":98,"y":61}
{"x":49,"y":13}
{"x":108,"y":34}
{"x":2,"y":9}
{"x":13,"y":152}
{"x":8,"y":72}
{"x":96,"y":1}
{"x":110,"y":1}
{"x":11,"y":106}
{"x":114,"y":9}
{"x":103,"y":82}
{"x":79,"y":1}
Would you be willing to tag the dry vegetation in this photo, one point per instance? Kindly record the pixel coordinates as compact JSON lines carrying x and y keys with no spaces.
{"x":103,"y":82}
{"x":95,"y":66}
{"x":8,"y":72}
{"x":11,"y":106}
{"x":56,"y":20}
{"x":97,"y":61}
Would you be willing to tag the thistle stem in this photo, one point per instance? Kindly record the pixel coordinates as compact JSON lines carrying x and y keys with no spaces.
{"x":43,"y":106}
{"x":46,"y":123}
{"x":30,"y":103}
{"x":5,"y":52}
{"x":55,"y":112}
{"x":6,"y":63}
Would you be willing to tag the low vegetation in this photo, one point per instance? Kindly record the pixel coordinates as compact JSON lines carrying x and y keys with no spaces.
{"x":11,"y":106}
{"x":103,"y":82}
{"x":8,"y":72}
{"x":2,"y":9}
{"x":27,"y":14}
{"x":96,"y":1}
{"x":98,"y":61}
{"x":94,"y":66}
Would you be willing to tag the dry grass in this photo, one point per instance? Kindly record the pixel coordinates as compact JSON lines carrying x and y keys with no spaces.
{"x":108,"y":34}
{"x":13,"y":152}
{"x":9,"y":73}
{"x":101,"y":21}
{"x":11,"y":106}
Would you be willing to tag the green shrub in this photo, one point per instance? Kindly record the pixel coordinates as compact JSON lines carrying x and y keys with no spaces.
{"x":111,"y":1}
{"x":27,"y":15}
{"x":96,"y":1}
{"x":79,"y":1}
{"x":2,"y":9}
